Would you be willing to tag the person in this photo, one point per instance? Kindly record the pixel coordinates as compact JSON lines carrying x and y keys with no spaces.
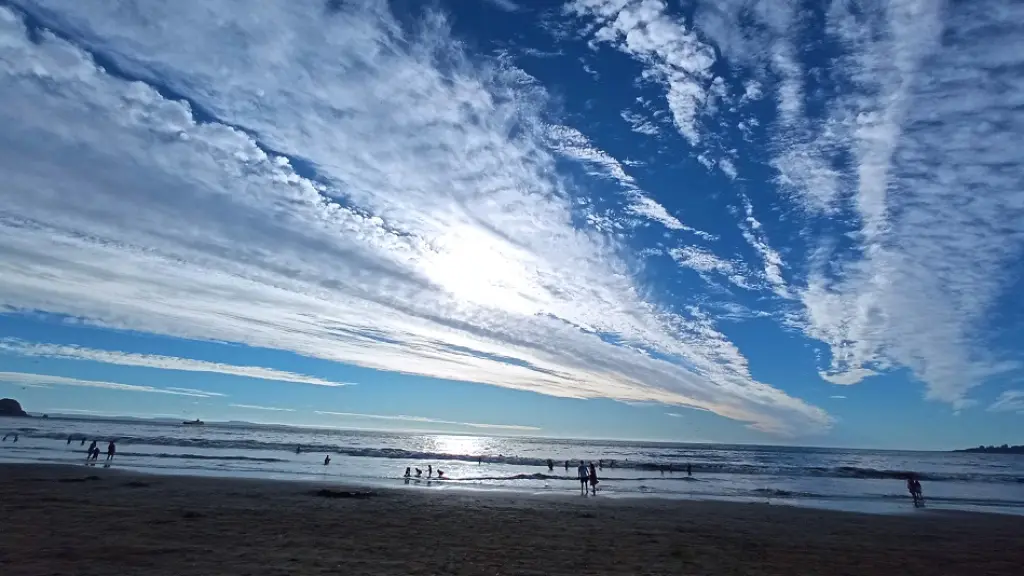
{"x":15,"y":437}
{"x":479,"y":460}
{"x":111,"y":450}
{"x":593,"y":479}
{"x":5,"y":438}
{"x":69,"y":441}
{"x":440,"y":474}
{"x":95,"y":453}
{"x":430,"y":470}
{"x":327,"y":460}
{"x":408,"y":471}
{"x":917,"y":490}
{"x":912,"y":488}
{"x":566,"y":465}
{"x":582,"y":472}
{"x":419,"y":472}
{"x":298,"y":449}
{"x":92,"y":447}
{"x":82,"y":443}
{"x":600,"y":464}
{"x":689,"y":469}
{"x":551,"y":465}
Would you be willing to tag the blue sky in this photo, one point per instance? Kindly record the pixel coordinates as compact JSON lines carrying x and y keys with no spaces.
{"x":728,"y":221}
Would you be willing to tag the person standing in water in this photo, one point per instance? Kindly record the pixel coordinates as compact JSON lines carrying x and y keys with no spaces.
{"x":92,"y":447}
{"x":584,"y":476}
{"x":593,"y":479}
{"x":69,"y":441}
{"x":689,"y":470}
{"x":111,"y":450}
{"x":566,"y":465}
{"x":430,"y":470}
{"x":551,"y":465}
{"x":327,"y":460}
{"x":914,"y":487}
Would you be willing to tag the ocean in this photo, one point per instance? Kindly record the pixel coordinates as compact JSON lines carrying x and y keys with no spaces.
{"x":859,"y":480}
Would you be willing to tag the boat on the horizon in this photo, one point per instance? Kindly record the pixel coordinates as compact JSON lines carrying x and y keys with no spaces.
{"x":196,"y":422}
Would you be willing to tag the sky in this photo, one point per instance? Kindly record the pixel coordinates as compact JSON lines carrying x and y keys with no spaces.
{"x":702,"y":221}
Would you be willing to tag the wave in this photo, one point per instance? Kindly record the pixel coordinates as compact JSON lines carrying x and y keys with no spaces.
{"x":203,"y":457}
{"x":668,"y":469}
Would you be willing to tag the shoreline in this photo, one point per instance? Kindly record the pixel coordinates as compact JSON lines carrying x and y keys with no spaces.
{"x":892,"y":505}
{"x":72,"y":519}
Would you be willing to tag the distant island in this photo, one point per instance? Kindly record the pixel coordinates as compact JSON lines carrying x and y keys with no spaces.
{"x":11,"y":407}
{"x":1004,"y":449}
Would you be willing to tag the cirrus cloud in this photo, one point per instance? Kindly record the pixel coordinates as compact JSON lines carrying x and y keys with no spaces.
{"x":352,"y":190}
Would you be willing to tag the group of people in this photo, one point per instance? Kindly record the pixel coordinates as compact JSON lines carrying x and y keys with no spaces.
{"x":93,"y":453}
{"x":587,"y":476}
{"x":419,"y":473}
{"x":7,"y":435}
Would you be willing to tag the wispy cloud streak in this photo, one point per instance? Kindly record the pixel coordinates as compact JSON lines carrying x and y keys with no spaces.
{"x":423,"y":420}
{"x":54,"y":351}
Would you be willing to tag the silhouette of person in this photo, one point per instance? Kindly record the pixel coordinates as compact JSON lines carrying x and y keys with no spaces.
{"x":593,"y":479}
{"x":82,"y":443}
{"x":408,"y":471}
{"x":581,"y":470}
{"x":551,"y":465}
{"x":419,"y":472}
{"x":327,"y":460}
{"x":5,"y":438}
{"x":111,"y":450}
{"x":600,"y":464}
{"x":689,"y":469}
{"x":69,"y":441}
{"x":440,"y":474}
{"x":298,"y":449}
{"x":430,"y":470}
{"x":92,"y":447}
{"x":912,"y":488}
{"x":566,"y":465}
{"x":15,"y":437}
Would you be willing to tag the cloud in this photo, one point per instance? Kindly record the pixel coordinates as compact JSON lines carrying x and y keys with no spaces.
{"x":193,"y":391}
{"x":44,"y":380}
{"x":255,"y":407}
{"x":506,"y":5}
{"x":574,"y":144}
{"x":341,"y":187}
{"x":933,"y":193}
{"x":21,"y":348}
{"x":1009,"y":401}
{"x":672,"y":53}
{"x":639,"y":124}
{"x":421,"y":419}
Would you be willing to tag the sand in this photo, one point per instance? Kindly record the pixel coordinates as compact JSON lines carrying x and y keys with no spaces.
{"x":79,"y":520}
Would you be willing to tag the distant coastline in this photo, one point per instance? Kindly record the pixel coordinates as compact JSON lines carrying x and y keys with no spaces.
{"x":1004,"y":449}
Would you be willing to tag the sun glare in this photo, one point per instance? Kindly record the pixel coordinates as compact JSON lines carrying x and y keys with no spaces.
{"x":477,"y":268}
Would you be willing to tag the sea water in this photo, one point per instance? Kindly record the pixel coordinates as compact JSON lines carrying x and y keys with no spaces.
{"x":860,"y":480}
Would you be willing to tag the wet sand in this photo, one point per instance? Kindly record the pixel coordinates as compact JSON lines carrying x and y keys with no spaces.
{"x":80,"y":520}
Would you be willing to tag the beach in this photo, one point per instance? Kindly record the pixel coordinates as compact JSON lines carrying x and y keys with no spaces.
{"x":57,"y":519}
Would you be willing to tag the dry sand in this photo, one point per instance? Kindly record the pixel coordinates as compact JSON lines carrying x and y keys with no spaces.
{"x":78,"y":520}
